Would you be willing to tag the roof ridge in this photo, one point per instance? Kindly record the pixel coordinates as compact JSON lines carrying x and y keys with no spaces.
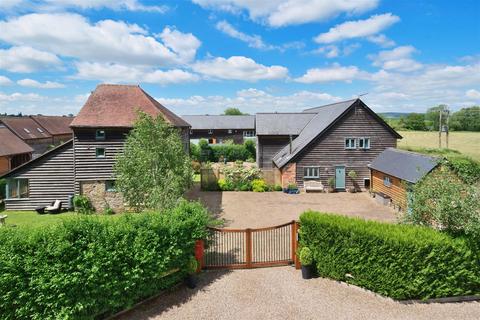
{"x":330,"y":104}
{"x":287,"y":112}
{"x":118,"y":85}
{"x":414,"y":153}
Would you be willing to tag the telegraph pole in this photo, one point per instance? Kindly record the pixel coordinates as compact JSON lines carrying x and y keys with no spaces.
{"x":440,"y":111}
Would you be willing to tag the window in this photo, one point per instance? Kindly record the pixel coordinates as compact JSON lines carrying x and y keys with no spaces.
{"x":100,"y":152}
{"x":366,"y":183}
{"x":17,"y":189}
{"x":210,"y":131}
{"x":110,"y":186}
{"x":26,"y":130}
{"x":364,"y":143}
{"x":39,"y":130}
{"x":249,"y":134}
{"x":350,"y":143}
{"x":100,"y":135}
{"x":230,"y":131}
{"x":386,"y":181}
{"x":311,"y":172}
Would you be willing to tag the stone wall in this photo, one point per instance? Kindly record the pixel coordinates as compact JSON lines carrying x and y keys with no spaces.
{"x":289,"y":172}
{"x":100,"y":198}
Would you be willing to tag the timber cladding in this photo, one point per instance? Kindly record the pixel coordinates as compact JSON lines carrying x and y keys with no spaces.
{"x":88,"y":165}
{"x":396,"y":191}
{"x":328,"y":150}
{"x":50,"y":178}
{"x":268,"y":147}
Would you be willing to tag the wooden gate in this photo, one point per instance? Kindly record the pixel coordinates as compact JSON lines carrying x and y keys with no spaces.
{"x":251,"y":248}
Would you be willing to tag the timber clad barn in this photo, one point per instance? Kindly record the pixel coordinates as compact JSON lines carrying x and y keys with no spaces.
{"x":394,"y":171}
{"x":219,"y":128}
{"x":325,"y":142}
{"x":84,"y":165}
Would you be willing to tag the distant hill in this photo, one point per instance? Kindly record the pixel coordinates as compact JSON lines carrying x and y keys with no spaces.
{"x":394,"y":115}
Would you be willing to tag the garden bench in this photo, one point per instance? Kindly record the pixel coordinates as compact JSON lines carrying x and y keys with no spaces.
{"x":312,"y":185}
{"x":3,"y":219}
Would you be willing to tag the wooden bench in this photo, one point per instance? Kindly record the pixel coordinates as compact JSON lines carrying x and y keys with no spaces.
{"x":312,"y":185}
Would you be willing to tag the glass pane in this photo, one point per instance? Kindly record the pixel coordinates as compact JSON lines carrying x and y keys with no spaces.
{"x":23,"y":187}
{"x":12,"y":189}
{"x":367,"y":143}
{"x":360,"y":143}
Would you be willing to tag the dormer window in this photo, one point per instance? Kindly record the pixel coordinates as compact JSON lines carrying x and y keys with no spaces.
{"x":100,"y":135}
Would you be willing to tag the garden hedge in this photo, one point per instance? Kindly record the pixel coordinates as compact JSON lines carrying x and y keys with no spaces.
{"x":91,"y":266}
{"x":398,"y":261}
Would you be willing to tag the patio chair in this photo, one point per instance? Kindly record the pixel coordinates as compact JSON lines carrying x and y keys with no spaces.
{"x":56,"y":207}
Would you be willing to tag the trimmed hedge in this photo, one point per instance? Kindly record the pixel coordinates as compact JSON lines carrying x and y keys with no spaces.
{"x":398,"y":261}
{"x":92,"y":266}
{"x":219,"y":152}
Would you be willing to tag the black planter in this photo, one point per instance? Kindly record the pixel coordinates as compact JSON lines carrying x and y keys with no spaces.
{"x":307,"y":272}
{"x":191,"y":281}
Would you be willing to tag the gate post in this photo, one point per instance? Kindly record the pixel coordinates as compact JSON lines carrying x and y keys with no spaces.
{"x":248,"y":247}
{"x":295,"y":228}
{"x":199,"y":252}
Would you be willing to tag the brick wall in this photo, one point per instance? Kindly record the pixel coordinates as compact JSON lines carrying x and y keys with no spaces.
{"x":289,"y":172}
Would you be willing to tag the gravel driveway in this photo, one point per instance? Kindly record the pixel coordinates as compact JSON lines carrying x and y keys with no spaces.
{"x":280,"y":293}
{"x":255,"y":209}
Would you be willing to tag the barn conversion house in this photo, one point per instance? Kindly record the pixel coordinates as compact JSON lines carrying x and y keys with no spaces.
{"x":84,"y":164}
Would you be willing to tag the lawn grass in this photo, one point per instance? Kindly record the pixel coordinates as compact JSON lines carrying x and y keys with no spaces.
{"x":465,"y":142}
{"x":32,"y":218}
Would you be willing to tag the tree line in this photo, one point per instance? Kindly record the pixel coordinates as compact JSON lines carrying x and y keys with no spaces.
{"x":466,"y":119}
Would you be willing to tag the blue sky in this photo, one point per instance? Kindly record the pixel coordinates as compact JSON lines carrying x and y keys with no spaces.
{"x":202,"y":56}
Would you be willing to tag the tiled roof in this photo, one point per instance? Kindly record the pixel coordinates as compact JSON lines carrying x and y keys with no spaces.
{"x":10,"y":144}
{"x":55,"y":125}
{"x":282,"y":123}
{"x":117,"y":106}
{"x":406,"y":165}
{"x":220,"y":122}
{"x":25,"y":127}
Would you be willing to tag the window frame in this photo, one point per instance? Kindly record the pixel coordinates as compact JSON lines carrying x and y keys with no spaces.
{"x":350,"y":146}
{"x":17,"y":187}
{"x":100,"y":156}
{"x":307,"y":175}
{"x":363,"y":139}
{"x":100,"y":137}
{"x":110,"y":189}
{"x":387,"y":182}
{"x":249,"y":133}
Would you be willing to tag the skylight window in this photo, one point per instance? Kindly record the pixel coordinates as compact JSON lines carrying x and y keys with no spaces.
{"x":40,"y":130}
{"x":26,"y":130}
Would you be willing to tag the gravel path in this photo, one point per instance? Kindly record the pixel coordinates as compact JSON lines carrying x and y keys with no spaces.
{"x":256,"y":210}
{"x":280,"y":293}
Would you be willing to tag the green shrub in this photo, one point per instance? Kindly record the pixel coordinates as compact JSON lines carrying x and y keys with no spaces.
{"x":82,"y":204}
{"x":398,"y":261}
{"x":192,"y":265}
{"x":251,"y":160}
{"x":91,"y":266}
{"x":277,"y":187}
{"x":196,"y":166}
{"x":225,"y":185}
{"x":259,"y":185}
{"x":306,"y":256}
{"x":239,"y":175}
{"x":227,"y":151}
{"x":108,"y":211}
{"x":292,"y":186}
{"x":3,"y":189}
{"x":246,"y":187}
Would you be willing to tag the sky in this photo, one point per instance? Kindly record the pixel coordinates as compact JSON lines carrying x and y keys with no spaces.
{"x":203,"y":56}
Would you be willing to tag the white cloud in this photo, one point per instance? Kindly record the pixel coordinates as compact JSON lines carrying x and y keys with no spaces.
{"x":32,"y":103}
{"x":357,"y":29}
{"x":398,"y":59}
{"x":334,"y":51}
{"x":72,"y":35}
{"x":381,"y":40}
{"x":249,"y":100}
{"x":5,"y":81}
{"x":328,"y":74}
{"x":36,"y":84}
{"x":473,"y":94}
{"x":61,"y":5}
{"x":279,"y":13}
{"x":27,"y":59}
{"x":116,"y":73}
{"x":253,"y":41}
{"x":239,"y":68}
{"x":17,"y":96}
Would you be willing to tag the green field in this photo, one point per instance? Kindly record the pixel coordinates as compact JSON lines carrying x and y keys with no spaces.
{"x":465,"y":142}
{"x":31,"y":218}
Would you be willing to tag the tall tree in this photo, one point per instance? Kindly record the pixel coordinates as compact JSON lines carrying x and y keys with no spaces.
{"x":414,"y":121}
{"x":466,"y":119}
{"x":433,"y":116}
{"x":154,"y":170}
{"x":233,"y":112}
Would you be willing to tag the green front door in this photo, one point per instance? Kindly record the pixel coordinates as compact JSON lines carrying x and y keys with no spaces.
{"x":339,"y":177}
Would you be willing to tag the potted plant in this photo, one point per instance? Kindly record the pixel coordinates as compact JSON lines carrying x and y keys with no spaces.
{"x":291,"y":189}
{"x":306,"y":260}
{"x":352,"y":175}
{"x":192,"y":266}
{"x":331,"y":184}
